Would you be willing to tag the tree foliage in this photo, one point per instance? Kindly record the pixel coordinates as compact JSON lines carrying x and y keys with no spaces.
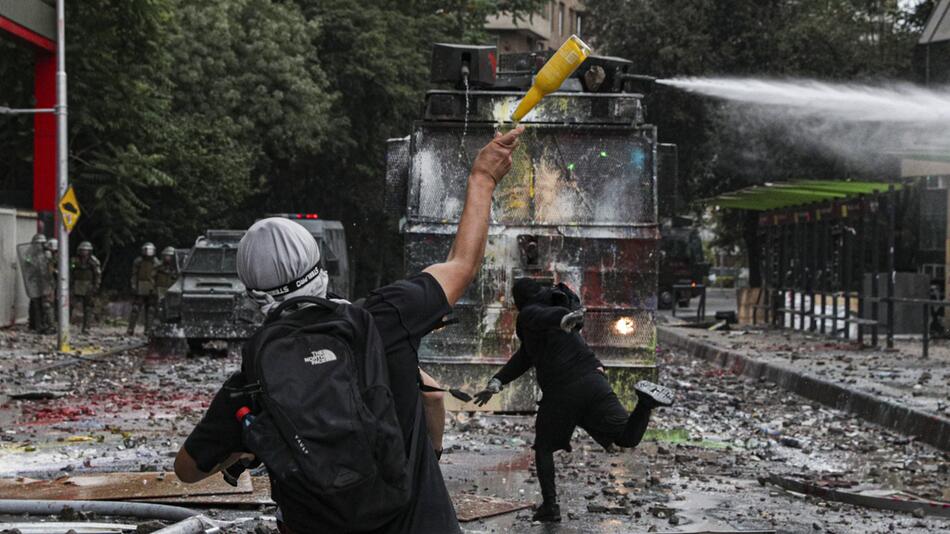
{"x":192,"y":115}
{"x":376,"y":56}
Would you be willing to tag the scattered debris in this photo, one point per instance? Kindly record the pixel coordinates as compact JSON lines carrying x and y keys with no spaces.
{"x":78,"y":357}
{"x":260,"y":496}
{"x":869,"y":498}
{"x":36,"y":527}
{"x":699,"y":460}
{"x":117,"y":487}
{"x":35,"y":395}
{"x":469,"y":507}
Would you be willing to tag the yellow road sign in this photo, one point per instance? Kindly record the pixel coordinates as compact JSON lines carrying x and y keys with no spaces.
{"x":69,"y":208}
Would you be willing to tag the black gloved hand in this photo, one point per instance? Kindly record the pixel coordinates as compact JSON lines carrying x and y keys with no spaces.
{"x":485,"y":395}
{"x":573,"y":321}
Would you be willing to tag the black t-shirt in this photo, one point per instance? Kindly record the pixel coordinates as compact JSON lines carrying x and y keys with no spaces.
{"x":558,"y":357}
{"x":404,"y":312}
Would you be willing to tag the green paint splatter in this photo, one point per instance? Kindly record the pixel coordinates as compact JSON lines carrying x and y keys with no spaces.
{"x":681,"y":436}
{"x":603,"y":153}
{"x":570,"y":166}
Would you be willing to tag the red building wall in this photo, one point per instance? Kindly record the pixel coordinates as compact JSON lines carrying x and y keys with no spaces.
{"x":44,"y":124}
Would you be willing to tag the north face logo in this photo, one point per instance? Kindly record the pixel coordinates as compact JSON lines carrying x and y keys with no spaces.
{"x":320,"y":356}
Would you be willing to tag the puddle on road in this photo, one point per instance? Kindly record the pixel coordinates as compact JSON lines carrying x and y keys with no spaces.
{"x":520,"y":462}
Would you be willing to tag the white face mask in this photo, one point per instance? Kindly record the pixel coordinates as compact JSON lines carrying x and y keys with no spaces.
{"x":315,"y":288}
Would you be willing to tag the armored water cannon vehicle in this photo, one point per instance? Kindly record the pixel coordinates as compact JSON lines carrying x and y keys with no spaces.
{"x":579,"y":206}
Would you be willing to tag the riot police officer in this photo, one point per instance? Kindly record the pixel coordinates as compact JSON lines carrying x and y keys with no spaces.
{"x":144,"y":269}
{"x":41,"y":313}
{"x":167,"y":272}
{"x":86,"y":277}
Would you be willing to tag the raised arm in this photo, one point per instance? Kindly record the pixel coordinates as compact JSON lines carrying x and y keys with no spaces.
{"x":517,"y":365}
{"x":491,"y":165}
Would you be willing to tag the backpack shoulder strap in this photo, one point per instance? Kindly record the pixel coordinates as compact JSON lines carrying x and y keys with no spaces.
{"x":296,"y":301}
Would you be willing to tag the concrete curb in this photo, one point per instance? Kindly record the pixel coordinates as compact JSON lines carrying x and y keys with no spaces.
{"x":925,"y":427}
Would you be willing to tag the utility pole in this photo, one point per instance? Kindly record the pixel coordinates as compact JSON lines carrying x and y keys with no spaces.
{"x":62,"y":177}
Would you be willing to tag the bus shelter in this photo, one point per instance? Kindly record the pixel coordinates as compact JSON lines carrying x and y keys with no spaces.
{"x":828,"y":256}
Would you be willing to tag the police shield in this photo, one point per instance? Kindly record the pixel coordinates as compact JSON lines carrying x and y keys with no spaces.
{"x":34,"y":265}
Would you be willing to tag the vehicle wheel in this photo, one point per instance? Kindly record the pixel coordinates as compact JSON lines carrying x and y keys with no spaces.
{"x":196,"y":345}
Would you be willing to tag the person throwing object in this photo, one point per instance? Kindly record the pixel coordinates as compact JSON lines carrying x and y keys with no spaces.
{"x":573,"y":383}
{"x":328,"y":396}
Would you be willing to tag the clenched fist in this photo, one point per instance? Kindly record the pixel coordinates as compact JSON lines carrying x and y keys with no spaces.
{"x":494,"y":159}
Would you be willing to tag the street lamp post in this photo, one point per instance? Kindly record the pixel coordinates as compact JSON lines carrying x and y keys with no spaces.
{"x":62,"y":176}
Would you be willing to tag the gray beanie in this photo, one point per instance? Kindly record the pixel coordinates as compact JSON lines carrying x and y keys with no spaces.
{"x":274,"y":252}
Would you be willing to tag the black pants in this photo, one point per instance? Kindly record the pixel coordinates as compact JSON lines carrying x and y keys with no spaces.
{"x":591,"y":404}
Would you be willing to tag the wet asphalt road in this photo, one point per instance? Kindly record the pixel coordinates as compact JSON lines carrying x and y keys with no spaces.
{"x":697,"y":471}
{"x":700,"y":467}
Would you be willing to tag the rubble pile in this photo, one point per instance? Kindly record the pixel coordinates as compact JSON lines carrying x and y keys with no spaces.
{"x":86,"y":413}
{"x":900,"y":374}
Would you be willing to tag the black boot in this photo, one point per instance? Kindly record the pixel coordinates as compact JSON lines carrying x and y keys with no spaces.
{"x":653,"y":395}
{"x":547,"y":512}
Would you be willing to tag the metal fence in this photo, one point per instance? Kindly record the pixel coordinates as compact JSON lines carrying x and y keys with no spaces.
{"x":830,"y":268}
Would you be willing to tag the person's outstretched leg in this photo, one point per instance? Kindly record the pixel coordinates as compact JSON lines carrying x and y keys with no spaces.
{"x":649,"y":396}
{"x":549,"y":509}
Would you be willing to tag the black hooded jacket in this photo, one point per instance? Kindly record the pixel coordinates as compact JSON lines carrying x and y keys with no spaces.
{"x":558,"y":357}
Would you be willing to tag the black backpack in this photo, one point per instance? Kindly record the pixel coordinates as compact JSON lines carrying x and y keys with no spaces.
{"x":324,"y":422}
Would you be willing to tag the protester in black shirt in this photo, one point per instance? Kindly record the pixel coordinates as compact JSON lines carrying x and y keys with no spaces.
{"x":403,"y":312}
{"x":573,"y":383}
